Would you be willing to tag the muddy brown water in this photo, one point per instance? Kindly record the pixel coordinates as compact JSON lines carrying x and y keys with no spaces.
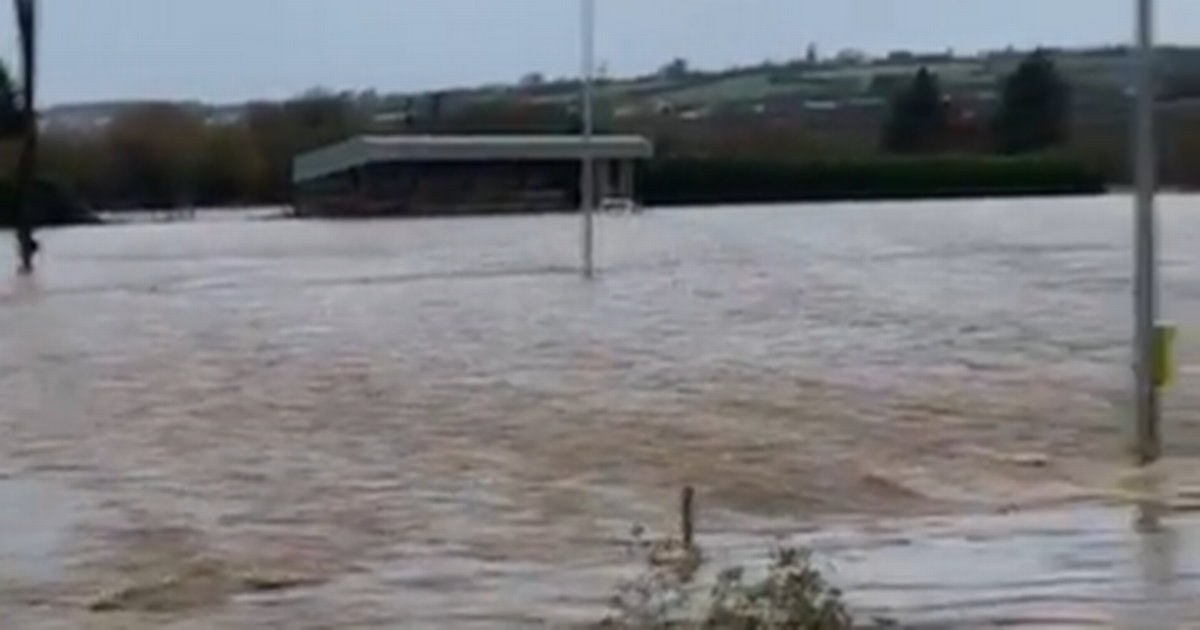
{"x":437,"y":423}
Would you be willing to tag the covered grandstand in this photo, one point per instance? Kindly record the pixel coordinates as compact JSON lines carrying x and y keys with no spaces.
{"x":421,"y":175}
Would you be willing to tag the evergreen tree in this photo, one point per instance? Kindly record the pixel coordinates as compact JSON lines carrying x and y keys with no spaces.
{"x":918,"y":118}
{"x":1034,"y":113}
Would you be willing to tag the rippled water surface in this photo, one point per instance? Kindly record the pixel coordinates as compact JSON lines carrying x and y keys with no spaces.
{"x":440,"y":422}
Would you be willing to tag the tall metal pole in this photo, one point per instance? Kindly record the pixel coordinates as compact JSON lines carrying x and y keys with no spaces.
{"x":587,"y":184}
{"x":27,"y":246}
{"x":1145,"y":229}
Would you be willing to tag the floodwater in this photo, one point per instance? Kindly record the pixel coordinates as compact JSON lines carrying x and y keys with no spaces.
{"x":36,"y":521}
{"x":437,"y":423}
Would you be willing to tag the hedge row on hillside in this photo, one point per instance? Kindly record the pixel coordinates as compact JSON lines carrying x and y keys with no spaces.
{"x":673,"y":182}
{"x":701,"y":182}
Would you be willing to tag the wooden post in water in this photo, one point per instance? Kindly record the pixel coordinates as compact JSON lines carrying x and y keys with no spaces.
{"x":687,"y":518}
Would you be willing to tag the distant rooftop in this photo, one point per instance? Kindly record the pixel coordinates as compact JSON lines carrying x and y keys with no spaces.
{"x":368,"y":149}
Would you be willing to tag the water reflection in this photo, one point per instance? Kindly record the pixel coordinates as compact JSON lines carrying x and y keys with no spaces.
{"x":36,"y":521}
{"x":1071,"y":568}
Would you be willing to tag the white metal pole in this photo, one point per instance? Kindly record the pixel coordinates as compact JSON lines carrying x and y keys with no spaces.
{"x":1145,"y":230}
{"x":587,"y":185}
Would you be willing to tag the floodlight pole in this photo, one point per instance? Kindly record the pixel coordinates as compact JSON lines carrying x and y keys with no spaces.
{"x":27,"y":246}
{"x":1149,"y":446}
{"x":587,"y":184}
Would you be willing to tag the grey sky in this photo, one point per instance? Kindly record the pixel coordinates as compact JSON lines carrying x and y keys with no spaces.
{"x":226,"y":50}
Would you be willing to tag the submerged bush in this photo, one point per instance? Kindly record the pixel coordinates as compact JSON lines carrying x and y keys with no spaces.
{"x":793,"y":595}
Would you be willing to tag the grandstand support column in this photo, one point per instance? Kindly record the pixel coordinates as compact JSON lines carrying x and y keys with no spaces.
{"x":604,"y":179}
{"x":625,"y":179}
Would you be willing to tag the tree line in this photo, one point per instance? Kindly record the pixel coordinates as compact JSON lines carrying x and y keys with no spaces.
{"x":167,"y":155}
{"x":164,"y":155}
{"x":1033,"y":114}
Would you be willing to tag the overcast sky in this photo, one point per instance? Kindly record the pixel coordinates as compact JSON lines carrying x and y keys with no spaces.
{"x":231,"y":50}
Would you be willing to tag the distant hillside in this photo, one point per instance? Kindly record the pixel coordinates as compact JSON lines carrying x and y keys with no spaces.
{"x":850,"y":79}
